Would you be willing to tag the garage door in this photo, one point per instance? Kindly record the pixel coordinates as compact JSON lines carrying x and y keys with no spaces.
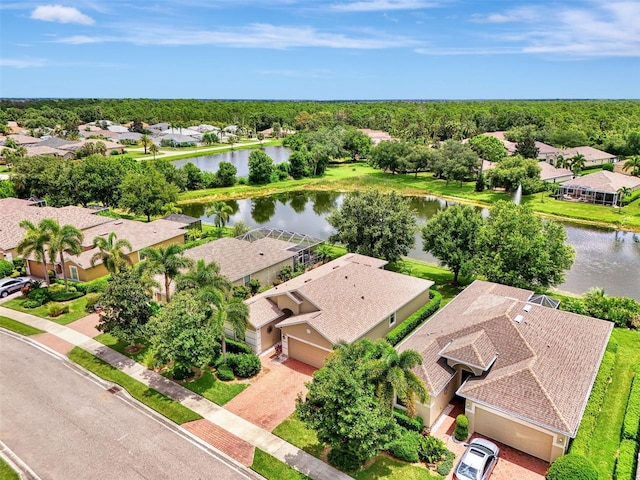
{"x":306,"y":353}
{"x":526,"y":439}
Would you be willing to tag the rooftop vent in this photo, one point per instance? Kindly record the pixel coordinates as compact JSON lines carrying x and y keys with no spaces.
{"x":527,"y":308}
{"x":260,"y":253}
{"x":518,"y":318}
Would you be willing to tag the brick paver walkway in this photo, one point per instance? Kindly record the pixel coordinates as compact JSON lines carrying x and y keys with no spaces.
{"x":87,"y":325}
{"x":513,"y":464}
{"x":272,"y":397}
{"x":54,"y":343}
{"x":233,"y":446}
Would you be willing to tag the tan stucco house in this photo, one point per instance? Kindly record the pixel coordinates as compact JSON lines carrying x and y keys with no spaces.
{"x":347,"y":299}
{"x":525,"y":371}
{"x":600,"y":188}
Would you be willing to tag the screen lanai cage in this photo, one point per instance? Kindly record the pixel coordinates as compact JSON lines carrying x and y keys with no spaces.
{"x":304,"y":245}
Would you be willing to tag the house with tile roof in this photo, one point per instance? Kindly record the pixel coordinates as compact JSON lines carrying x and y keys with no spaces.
{"x":600,"y":188}
{"x":525,"y":371}
{"x":347,"y":299}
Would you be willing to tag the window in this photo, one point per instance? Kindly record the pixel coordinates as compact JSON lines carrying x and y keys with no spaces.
{"x":392,"y":319}
{"x":73,"y":272}
{"x":247,"y":279}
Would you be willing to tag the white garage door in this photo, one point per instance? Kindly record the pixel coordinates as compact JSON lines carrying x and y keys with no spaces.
{"x":306,"y":353}
{"x":516,"y":435}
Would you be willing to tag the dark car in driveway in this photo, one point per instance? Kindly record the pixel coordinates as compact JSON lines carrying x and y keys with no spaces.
{"x":478,"y":460}
{"x":11,"y":285}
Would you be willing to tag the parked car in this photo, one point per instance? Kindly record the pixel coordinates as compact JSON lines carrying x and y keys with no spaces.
{"x":10,"y":285}
{"x":478,"y":460}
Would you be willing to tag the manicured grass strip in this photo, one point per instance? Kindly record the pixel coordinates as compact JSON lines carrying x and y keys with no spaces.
{"x":141,"y":356}
{"x":294,"y":431}
{"x":76,"y":310}
{"x":387,"y":468}
{"x":273,"y":469}
{"x":6,"y":472}
{"x":18,"y":327}
{"x":159,"y":402}
{"x":213,"y":389}
{"x":632,"y":415}
{"x":627,"y":458}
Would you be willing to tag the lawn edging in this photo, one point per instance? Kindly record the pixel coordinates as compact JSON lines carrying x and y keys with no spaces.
{"x":153,"y":399}
{"x":19,"y":327}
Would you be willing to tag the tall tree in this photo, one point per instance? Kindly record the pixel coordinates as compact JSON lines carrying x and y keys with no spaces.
{"x":146,"y":193}
{"x":577,"y":163}
{"x":450,"y":236}
{"x":260,"y":167}
{"x":64,"y":239}
{"x":488,"y":147}
{"x":145,"y":141}
{"x":111,"y":252}
{"x":632,"y":164}
{"x":36,"y":241}
{"x":231,"y":312}
{"x":623,"y":192}
{"x":526,"y":147}
{"x":154,"y":149}
{"x":168,"y":261}
{"x":203,"y":275}
{"x":518,"y":248}
{"x":221,"y":213}
{"x":375,"y":224}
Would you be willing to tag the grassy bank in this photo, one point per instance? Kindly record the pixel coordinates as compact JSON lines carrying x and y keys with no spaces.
{"x":273,"y":469}
{"x":170,"y":153}
{"x":360,"y":176}
{"x":77,"y":309}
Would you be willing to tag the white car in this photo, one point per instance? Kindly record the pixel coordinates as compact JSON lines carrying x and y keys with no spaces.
{"x":11,"y":285}
{"x":478,"y":460}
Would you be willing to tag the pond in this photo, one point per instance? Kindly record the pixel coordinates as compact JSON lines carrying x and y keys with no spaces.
{"x":604,"y":258}
{"x":239,"y":158}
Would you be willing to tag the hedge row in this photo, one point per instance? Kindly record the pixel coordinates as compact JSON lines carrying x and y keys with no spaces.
{"x":234,"y":346}
{"x":413,"y":321}
{"x":416,"y":424}
{"x":97,"y":285}
{"x":594,"y":405}
{"x":632,"y":415}
{"x":626,"y":463}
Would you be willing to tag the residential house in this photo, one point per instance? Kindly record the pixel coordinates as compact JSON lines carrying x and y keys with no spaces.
{"x":32,"y":151}
{"x":376,"y":136}
{"x":347,"y":299}
{"x":523,"y":370}
{"x":549,"y":173}
{"x":592,"y":156}
{"x":600,"y":188}
{"x":117,"y":129}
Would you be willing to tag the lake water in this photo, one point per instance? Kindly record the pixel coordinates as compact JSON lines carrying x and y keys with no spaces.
{"x":239,"y":158}
{"x":604,"y":258}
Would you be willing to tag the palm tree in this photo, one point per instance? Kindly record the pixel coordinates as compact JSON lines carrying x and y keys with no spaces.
{"x":65,"y":239}
{"x":234,"y":312}
{"x":111,"y":252}
{"x":561,"y":162}
{"x":202,"y":276}
{"x":633,"y":164}
{"x":623,"y":192}
{"x":167,"y":261}
{"x":36,"y":240}
{"x":392,"y":376}
{"x":170,"y":208}
{"x":154,"y":149}
{"x":577,"y":163}
{"x":145,"y":141}
{"x":222,"y":211}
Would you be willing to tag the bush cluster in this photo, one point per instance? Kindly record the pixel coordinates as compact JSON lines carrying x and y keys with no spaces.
{"x":632,"y":415}
{"x":461,"y":432}
{"x":572,"y":467}
{"x":92,"y":300}
{"x":626,"y":462}
{"x":416,"y":424}
{"x":433,"y":450}
{"x":225,"y":373}
{"x":343,"y":460}
{"x":37,"y":297}
{"x":244,"y":365}
{"x":65,"y":296}
{"x":54,"y":309}
{"x":413,"y":321}
{"x":623,"y":311}
{"x":233,"y":346}
{"x":6,"y":268}
{"x":94,"y":286}
{"x":406,"y":446}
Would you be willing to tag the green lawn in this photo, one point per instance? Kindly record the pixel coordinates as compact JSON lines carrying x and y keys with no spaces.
{"x":602,"y":446}
{"x":383,"y":468}
{"x":273,"y":469}
{"x":18,"y":327}
{"x":207,"y":385}
{"x":6,"y":472}
{"x":159,"y":402}
{"x":76,"y":310}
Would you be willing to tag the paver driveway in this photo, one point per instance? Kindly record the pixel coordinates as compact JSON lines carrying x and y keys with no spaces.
{"x":272,"y":397}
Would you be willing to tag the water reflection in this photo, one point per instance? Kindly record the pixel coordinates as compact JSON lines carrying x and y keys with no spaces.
{"x":604,"y":258}
{"x":239,"y":158}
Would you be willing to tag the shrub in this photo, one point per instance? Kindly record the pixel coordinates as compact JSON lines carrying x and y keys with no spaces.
{"x":65,"y":296}
{"x":54,"y":309}
{"x":97,"y":285}
{"x":31,"y":304}
{"x":234,"y":346}
{"x":413,"y":321}
{"x":225,"y":373}
{"x":285,"y":273}
{"x":445,"y":467}
{"x":416,"y":424}
{"x":608,"y":167}
{"x":40,"y":295}
{"x":632,"y":415}
{"x":461,"y":431}
{"x":626,"y":463}
{"x":572,"y":467}
{"x":406,"y":446}
{"x":181,"y":372}
{"x":6,"y":268}
{"x":343,"y":460}
{"x":56,"y":288}
{"x":432,"y":449}
{"x":241,"y":291}
{"x":254,"y":286}
{"x":92,"y":300}
{"x":244,"y":365}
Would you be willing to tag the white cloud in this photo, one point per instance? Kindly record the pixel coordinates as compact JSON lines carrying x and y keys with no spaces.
{"x":81,"y":40}
{"x":60,"y":14}
{"x":381,"y":5}
{"x":23,"y":63}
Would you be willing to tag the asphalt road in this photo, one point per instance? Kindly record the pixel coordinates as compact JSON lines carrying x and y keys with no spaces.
{"x":64,"y":425}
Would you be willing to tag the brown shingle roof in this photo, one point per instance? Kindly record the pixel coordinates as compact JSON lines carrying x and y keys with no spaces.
{"x":352,"y":295}
{"x":475,"y":349}
{"x":590,"y":153}
{"x":547,"y":359}
{"x":604,"y":182}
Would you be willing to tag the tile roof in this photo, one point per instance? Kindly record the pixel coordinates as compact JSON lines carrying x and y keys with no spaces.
{"x":604,"y":182}
{"x":549,"y":172}
{"x":547,"y":359}
{"x":352,"y":295}
{"x":589,"y":153}
{"x":14,"y":210}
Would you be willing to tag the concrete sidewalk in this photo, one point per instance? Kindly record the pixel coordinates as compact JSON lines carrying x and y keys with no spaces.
{"x":254,"y":435}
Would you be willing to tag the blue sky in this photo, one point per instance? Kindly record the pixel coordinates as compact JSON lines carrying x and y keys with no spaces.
{"x":324,"y":50}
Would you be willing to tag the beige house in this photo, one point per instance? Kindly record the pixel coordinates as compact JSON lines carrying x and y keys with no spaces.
{"x":344,"y":300}
{"x":525,"y":371}
{"x":592,"y":156}
{"x":600,"y":188}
